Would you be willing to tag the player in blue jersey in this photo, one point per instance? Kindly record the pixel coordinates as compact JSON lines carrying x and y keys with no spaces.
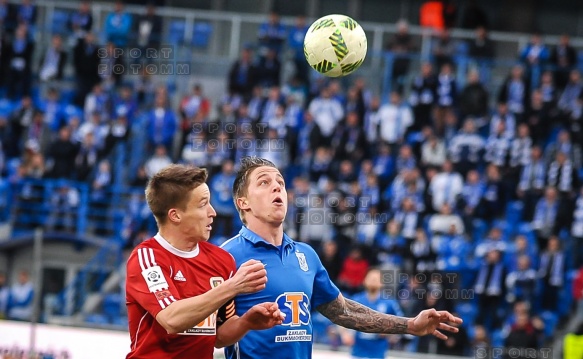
{"x":371,"y":345}
{"x":297,"y":280}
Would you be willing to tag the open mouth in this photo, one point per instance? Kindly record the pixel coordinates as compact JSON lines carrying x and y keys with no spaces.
{"x":209,"y":226}
{"x":278,"y":200}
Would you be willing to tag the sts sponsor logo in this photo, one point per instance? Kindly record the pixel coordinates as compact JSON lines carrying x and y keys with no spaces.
{"x":296,"y":307}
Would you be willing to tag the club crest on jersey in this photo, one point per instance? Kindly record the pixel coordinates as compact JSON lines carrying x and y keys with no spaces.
{"x":216,"y":281}
{"x":302,"y":260}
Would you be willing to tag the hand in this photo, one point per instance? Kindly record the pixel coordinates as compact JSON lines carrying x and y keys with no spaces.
{"x":250,"y":278}
{"x":430,"y":320}
{"x":263,"y":316}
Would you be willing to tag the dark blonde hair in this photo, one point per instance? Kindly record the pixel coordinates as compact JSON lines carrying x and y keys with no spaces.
{"x":171,"y":187}
{"x":248,"y":164}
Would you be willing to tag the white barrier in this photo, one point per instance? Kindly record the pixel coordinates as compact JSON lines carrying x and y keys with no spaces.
{"x":83,"y":343}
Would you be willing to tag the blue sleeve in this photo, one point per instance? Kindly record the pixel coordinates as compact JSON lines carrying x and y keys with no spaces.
{"x":324,"y":290}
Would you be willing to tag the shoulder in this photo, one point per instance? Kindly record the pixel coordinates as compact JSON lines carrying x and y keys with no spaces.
{"x":214,"y":250}
{"x":231,"y":243}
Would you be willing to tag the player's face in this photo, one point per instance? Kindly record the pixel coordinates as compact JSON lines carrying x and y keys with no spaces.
{"x":266,"y":195}
{"x":198,"y":215}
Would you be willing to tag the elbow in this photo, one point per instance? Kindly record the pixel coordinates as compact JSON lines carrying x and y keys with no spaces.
{"x":169,"y":324}
{"x":219,"y":343}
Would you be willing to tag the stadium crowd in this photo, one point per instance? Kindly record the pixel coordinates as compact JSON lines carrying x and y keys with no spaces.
{"x":471,"y":183}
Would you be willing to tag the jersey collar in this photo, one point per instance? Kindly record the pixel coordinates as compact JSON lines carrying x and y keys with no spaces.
{"x":167,"y":246}
{"x":255,"y":239}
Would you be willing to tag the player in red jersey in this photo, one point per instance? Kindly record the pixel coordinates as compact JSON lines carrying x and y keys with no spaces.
{"x":179,"y":288}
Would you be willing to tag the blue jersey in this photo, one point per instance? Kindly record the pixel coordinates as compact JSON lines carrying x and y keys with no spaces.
{"x":369,"y":345}
{"x":297,"y":282}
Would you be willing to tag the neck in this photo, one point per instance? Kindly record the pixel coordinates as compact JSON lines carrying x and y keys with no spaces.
{"x":176,"y":240}
{"x":372,"y":295}
{"x":270,"y":232}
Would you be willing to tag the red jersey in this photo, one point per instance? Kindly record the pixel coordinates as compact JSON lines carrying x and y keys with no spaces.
{"x":159,"y":274}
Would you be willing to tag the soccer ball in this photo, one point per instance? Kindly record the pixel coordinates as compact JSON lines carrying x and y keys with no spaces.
{"x":335,"y":45}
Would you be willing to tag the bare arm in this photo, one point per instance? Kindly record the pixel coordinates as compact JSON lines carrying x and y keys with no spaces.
{"x":186,"y":313}
{"x":353,"y":315}
{"x":260,"y":316}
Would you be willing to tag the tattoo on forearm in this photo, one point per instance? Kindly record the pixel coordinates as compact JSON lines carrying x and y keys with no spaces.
{"x":353,"y":315}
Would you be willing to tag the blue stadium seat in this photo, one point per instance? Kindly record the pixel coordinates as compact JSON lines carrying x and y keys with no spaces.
{"x":176,"y":32}
{"x":202,"y":33}
{"x":112,"y":306}
{"x":59,"y":22}
{"x":96,"y":319}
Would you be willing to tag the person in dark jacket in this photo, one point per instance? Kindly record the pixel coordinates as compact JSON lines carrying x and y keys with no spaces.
{"x":86,"y":63}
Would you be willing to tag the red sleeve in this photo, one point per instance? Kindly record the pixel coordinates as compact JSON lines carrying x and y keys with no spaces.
{"x":148,"y":282}
{"x":228,"y":310}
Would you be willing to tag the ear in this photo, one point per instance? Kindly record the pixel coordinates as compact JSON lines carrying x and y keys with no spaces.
{"x":242,"y":203}
{"x":173,"y":215}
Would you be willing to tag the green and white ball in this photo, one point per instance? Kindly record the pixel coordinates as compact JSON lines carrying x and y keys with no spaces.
{"x":335,"y":45}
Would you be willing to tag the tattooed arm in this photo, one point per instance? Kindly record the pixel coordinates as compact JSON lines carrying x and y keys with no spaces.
{"x":353,"y":315}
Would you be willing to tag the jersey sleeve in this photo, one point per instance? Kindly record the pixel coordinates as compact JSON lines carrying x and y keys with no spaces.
{"x":147,"y":281}
{"x":228,"y":309}
{"x":324,"y":290}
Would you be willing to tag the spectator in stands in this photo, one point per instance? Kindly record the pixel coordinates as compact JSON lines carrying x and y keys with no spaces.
{"x":563,"y":175}
{"x":7,"y":17}
{"x":98,"y":102}
{"x":162,"y":124}
{"x":514,"y":93}
{"x":445,"y":187}
{"x":111,"y":66}
{"x":81,"y":21}
{"x":494,"y":194}
{"x":532,"y":182}
{"x":272,"y":34}
{"x":539,"y":118}
{"x":578,"y":291}
{"x":489,"y":288}
{"x":19,"y":57}
{"x":577,"y":231}
{"x":548,"y":90}
{"x":493,"y":241}
{"x":118,"y":26}
{"x":423,"y":96}
{"x":481,"y":48}
{"x":568,"y":100}
{"x":53,"y":62}
{"x":4,"y":295}
{"x":366,"y":345}
{"x":523,"y":335}
{"x":534,"y":56}
{"x":393,"y":121}
{"x":566,"y":145}
{"x":243,"y":75}
{"x":498,"y":144}
{"x":563,"y":58}
{"x":86,"y":63}
{"x":158,"y":161}
{"x":269,"y":107}
{"x":148,"y":28}
{"x":442,"y":222}
{"x":20,"y":298}
{"x":194,"y":111}
{"x":521,"y":282}
{"x":470,"y":198}
{"x":269,"y":69}
{"x":518,"y":249}
{"x":295,"y":41}
{"x":401,"y":45}
{"x":545,"y":217}
{"x":446,"y":97}
{"x":466,"y":148}
{"x":315,"y":227}
{"x":390,"y":246}
{"x":87,"y":158}
{"x":422,"y":253}
{"x":26,"y":13}
{"x":141,"y":178}
{"x":350,"y":143}
{"x":473,"y":98}
{"x":353,"y":272}
{"x":327,"y":113}
{"x":443,"y":48}
{"x":331,"y":259}
{"x":552,"y":265}
{"x":64,"y":202}
{"x":124,"y":103}
{"x":221,"y":185}
{"x":118,"y":132}
{"x":62,"y":153}
{"x":520,"y":152}
{"x":102,"y":180}
{"x":433,"y":152}
{"x":20,"y":121}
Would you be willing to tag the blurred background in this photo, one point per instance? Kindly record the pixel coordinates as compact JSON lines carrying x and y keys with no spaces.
{"x":455,"y":150}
